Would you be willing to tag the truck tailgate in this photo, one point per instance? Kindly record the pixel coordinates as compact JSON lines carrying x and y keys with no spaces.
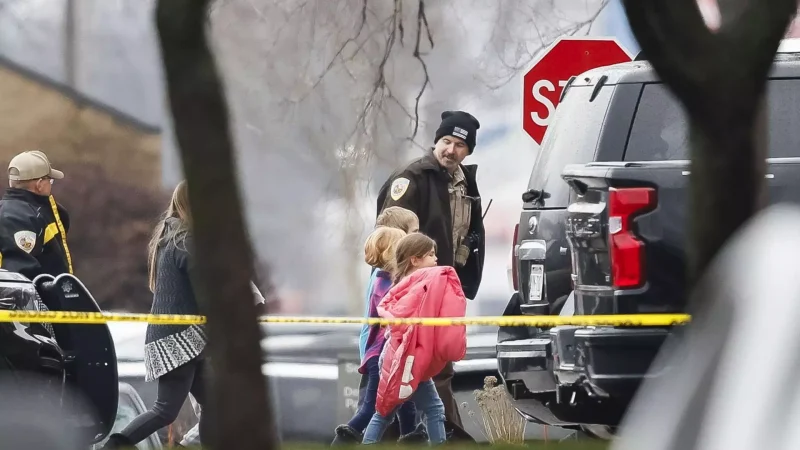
{"x":660,"y":230}
{"x":604,"y":285}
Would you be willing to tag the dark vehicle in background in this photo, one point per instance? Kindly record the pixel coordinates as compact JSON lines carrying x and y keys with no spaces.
{"x":612,"y":231}
{"x":590,"y":124}
{"x":75,"y":364}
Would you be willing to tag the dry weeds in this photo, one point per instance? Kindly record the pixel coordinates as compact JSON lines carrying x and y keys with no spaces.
{"x":500,"y":422}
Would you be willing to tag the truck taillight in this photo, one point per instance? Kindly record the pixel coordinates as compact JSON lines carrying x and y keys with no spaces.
{"x":626,"y":251}
{"x":515,"y":260}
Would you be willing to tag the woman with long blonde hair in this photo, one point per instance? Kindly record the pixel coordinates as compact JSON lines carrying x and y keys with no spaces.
{"x":173,"y":353}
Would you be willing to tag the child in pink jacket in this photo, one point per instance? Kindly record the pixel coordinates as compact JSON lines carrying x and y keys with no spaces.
{"x":413,"y":354}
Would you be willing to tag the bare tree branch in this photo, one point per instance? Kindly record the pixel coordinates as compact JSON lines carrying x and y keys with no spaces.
{"x":344,"y":45}
{"x":425,"y":22}
{"x":422,"y":21}
{"x":534,"y":20}
{"x":379,"y":90}
{"x":399,"y":9}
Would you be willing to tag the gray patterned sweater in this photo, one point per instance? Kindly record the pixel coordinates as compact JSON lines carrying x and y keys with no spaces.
{"x":170,"y":346}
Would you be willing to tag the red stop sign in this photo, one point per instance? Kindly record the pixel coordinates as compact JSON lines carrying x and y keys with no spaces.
{"x":543,"y":83}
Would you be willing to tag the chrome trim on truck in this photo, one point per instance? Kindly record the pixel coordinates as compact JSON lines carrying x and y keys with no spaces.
{"x":532,"y":250}
{"x":523,"y":348}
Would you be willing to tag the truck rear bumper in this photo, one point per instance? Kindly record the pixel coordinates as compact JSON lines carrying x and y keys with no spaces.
{"x":526,"y":360}
{"x":578,"y":375}
{"x":609,"y":363}
{"x":525,"y":366}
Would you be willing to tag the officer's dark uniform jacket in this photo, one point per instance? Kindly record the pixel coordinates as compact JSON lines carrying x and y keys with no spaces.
{"x":32,"y":235}
{"x":428,"y":196}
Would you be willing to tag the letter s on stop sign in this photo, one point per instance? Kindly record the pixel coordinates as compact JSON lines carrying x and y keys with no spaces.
{"x":539,"y":97}
{"x":544,"y":81}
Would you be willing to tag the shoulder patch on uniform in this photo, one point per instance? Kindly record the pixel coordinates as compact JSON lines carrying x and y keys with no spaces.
{"x":399,"y":187}
{"x":25,"y":240}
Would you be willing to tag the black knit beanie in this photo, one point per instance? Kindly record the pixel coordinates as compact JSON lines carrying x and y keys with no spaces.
{"x":459,"y":124}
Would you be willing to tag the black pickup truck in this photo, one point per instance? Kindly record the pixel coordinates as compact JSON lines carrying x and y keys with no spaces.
{"x":602,"y":232}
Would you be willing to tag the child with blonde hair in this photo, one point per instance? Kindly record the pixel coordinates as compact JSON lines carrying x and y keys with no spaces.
{"x":378,"y":253}
{"x":413,"y":354}
{"x":398,"y":217}
{"x":393,"y":217}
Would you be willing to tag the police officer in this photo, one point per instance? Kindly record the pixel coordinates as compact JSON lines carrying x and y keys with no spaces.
{"x":33,"y":227}
{"x":444,"y":194}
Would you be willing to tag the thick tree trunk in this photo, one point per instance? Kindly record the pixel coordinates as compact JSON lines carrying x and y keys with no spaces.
{"x":239,"y":407}
{"x":724,"y":186}
{"x":720,"y":79}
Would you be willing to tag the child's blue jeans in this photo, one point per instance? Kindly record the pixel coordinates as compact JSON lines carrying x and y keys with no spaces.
{"x":407,"y":413}
{"x":427,"y":399}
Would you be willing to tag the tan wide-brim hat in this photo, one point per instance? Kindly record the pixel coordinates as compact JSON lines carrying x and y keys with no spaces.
{"x":32,"y":165}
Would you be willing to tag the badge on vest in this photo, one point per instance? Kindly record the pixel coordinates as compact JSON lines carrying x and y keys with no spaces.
{"x":399,"y":187}
{"x":25,"y":240}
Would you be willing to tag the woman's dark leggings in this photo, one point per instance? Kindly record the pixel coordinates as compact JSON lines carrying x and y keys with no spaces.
{"x":173,"y":390}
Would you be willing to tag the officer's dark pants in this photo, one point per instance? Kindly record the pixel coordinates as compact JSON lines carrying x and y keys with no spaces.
{"x":452,"y":416}
{"x":173,"y":390}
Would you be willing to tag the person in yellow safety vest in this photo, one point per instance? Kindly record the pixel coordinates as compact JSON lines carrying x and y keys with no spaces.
{"x":33,"y":227}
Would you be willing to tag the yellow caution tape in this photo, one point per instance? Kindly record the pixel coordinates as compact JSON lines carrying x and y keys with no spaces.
{"x":632,"y":320}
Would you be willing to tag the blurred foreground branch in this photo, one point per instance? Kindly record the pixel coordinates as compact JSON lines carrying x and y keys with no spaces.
{"x":239,"y":408}
{"x":720,"y":78}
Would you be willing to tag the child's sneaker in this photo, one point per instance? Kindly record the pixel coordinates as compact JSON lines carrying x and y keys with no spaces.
{"x":419,"y":435}
{"x":346,"y":435}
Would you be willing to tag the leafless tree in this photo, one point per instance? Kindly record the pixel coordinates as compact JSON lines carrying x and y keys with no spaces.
{"x":239,"y":409}
{"x":348,"y":88}
{"x":521,"y":31}
{"x":720,"y":78}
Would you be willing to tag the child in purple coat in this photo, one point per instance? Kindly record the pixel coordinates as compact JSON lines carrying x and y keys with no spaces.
{"x":379,"y":253}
